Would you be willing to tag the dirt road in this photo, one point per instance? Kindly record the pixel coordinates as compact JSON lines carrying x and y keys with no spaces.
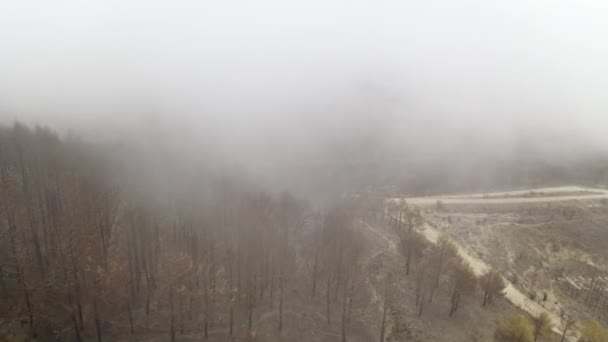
{"x":566,"y":193}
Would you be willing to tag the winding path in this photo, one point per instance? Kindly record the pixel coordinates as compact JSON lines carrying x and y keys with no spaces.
{"x":509,"y":196}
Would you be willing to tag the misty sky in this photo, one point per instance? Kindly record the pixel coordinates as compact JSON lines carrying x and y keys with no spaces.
{"x":262,"y":73}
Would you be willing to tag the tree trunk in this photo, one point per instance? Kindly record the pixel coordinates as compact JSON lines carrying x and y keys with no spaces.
{"x":3,"y":283}
{"x":314,"y":274}
{"x":181,"y":316}
{"x":148,"y":295}
{"x":436,"y":281}
{"x":131,"y":330}
{"x":281,"y":286}
{"x":409,"y":247}
{"x":250,"y":315}
{"x":409,"y":256}
{"x":272,"y":282}
{"x":231,"y":318}
{"x":20,"y":274}
{"x":37,"y":247}
{"x":80,"y":314}
{"x":74,"y":319}
{"x":206,"y":302}
{"x":172,"y":313}
{"x":387,"y":295}
{"x":343,"y":330}
{"x":76,"y":328}
{"x":329,"y":299}
{"x":566,"y":327}
{"x":338,"y":281}
{"x":97,"y":322}
{"x":250,"y":298}
{"x":382,"y":326}
{"x":421,"y":305}
{"x":350,"y":302}
{"x":454,"y":300}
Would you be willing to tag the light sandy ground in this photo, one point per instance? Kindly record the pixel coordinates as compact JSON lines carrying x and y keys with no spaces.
{"x":482,"y":198}
{"x":511,"y":293}
{"x":478,"y":265}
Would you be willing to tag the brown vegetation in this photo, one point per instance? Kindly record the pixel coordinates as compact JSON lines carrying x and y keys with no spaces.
{"x":86,"y":254}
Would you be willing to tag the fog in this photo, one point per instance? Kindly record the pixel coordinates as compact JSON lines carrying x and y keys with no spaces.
{"x":313,"y":170}
{"x":274,"y":85}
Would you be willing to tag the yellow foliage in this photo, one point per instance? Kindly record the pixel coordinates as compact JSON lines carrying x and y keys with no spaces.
{"x":516,"y":328}
{"x":593,"y":332}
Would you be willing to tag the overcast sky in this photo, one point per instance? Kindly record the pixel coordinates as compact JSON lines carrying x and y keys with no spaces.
{"x":427,"y":72}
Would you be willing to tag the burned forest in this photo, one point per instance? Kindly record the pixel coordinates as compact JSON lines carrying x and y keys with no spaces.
{"x":303,"y":171}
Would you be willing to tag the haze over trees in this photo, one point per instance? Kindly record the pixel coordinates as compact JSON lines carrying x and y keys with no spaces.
{"x":88,"y":253}
{"x":98,"y":246}
{"x":313,"y":171}
{"x":91,"y":250}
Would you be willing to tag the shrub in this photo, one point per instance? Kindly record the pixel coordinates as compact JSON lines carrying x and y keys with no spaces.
{"x":516,"y":328}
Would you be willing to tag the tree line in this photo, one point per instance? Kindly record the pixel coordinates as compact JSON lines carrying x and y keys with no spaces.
{"x":85,"y":253}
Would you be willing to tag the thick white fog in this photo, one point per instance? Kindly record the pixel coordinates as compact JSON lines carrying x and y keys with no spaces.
{"x":303,"y":170}
{"x":269,"y":81}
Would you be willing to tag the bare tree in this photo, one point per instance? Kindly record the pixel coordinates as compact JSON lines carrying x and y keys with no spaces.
{"x":445,"y":251}
{"x":568,"y":322}
{"x":463,"y":281}
{"x":492,"y":285}
{"x":387,"y":298}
